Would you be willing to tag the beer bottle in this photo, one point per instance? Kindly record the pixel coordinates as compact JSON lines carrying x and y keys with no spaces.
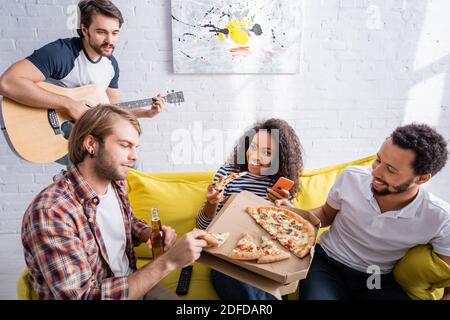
{"x":157,"y":234}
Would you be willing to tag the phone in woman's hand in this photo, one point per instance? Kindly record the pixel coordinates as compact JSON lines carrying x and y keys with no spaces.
{"x":283,"y":183}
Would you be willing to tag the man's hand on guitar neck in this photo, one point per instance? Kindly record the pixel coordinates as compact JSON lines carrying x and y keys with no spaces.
{"x":158,"y":106}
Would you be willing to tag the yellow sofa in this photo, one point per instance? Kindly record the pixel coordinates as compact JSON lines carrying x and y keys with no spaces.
{"x":179,"y":196}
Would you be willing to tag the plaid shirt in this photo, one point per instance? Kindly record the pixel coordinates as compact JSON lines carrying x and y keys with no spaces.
{"x":64,"y":249}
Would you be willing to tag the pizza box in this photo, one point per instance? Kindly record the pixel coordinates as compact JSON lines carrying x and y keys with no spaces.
{"x":277,"y":277}
{"x":256,"y":280}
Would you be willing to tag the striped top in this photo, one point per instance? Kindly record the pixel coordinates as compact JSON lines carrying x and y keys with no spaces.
{"x":249,"y":182}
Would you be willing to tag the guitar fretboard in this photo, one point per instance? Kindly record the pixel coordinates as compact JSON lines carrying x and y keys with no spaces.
{"x":136,"y":103}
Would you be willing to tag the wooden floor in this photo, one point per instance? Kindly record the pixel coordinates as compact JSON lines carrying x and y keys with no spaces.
{"x":11,"y":265}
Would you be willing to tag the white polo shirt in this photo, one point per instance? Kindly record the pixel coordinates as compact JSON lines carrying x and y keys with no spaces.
{"x":361,"y":236}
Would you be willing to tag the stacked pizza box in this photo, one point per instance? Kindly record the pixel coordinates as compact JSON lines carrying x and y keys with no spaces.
{"x":278,"y":278}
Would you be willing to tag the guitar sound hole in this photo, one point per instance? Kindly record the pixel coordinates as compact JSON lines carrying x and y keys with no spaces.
{"x":66,"y":128}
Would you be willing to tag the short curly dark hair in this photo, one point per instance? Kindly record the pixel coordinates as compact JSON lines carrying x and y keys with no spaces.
{"x":290,"y":151}
{"x":428,"y":145}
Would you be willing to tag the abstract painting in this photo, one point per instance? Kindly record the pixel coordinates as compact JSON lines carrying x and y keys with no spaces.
{"x":231,"y":36}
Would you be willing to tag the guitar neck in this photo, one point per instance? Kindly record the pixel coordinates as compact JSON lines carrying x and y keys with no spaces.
{"x":136,"y":103}
{"x":172,"y":97}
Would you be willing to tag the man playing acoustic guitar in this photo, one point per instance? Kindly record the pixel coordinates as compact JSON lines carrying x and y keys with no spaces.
{"x":74,"y":62}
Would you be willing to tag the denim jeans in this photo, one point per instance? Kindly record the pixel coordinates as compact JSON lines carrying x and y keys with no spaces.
{"x":329,"y":279}
{"x":229,"y":288}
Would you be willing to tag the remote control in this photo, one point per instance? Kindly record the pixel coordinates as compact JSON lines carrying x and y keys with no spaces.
{"x":184,"y":280}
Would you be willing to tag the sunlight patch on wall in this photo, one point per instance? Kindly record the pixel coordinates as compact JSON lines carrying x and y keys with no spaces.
{"x":434,"y":42}
{"x":424,"y":101}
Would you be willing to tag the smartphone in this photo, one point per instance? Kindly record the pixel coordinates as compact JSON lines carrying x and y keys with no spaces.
{"x":283,"y":183}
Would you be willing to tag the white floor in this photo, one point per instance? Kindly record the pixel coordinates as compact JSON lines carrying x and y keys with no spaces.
{"x":11,"y":265}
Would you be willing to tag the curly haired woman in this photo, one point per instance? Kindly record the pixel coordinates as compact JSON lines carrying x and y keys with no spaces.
{"x":268,"y":151}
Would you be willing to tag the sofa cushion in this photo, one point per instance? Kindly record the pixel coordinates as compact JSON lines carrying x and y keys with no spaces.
{"x":422,"y":274}
{"x":316,"y":183}
{"x":25,"y":288}
{"x":177,"y":196}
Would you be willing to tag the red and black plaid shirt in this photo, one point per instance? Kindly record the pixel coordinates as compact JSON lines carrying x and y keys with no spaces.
{"x":63,"y":246}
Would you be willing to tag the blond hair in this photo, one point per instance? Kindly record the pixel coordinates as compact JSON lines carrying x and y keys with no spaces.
{"x":99,"y":123}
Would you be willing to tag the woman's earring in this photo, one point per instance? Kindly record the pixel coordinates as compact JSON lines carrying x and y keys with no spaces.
{"x":91,"y":154}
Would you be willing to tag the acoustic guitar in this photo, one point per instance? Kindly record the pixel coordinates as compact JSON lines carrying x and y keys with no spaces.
{"x":40,"y":135}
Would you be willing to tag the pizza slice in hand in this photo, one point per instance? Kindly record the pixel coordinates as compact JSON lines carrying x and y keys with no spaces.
{"x":215,"y":240}
{"x":270,"y":252}
{"x":246,"y":249}
{"x":219,"y":185}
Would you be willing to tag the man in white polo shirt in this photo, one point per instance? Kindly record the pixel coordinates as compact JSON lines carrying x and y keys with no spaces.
{"x":376,"y":214}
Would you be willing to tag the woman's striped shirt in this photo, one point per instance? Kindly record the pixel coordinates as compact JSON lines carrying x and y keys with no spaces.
{"x":249,"y":182}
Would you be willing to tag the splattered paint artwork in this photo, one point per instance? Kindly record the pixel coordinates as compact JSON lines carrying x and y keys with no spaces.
{"x":230,"y":36}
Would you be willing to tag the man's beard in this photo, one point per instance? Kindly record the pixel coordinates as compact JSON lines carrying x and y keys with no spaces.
{"x":105,"y":167}
{"x":398,"y":189}
{"x":98,"y":48}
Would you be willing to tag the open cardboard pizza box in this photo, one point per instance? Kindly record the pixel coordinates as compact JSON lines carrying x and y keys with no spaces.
{"x":277,"y":278}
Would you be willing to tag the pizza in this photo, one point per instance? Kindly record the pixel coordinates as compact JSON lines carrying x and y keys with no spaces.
{"x":246,"y":249}
{"x":215,"y":240}
{"x":220,"y":185}
{"x":293,"y":232}
{"x":270,"y":253}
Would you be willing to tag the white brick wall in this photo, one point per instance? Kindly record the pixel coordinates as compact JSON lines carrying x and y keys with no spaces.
{"x":361,"y":63}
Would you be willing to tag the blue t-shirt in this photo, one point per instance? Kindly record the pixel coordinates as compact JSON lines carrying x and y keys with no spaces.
{"x":65,"y":63}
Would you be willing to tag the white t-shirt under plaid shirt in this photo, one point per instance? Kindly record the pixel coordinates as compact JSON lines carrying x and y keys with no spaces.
{"x":249,"y":182}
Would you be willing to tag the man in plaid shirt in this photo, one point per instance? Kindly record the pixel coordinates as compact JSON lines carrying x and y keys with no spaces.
{"x":78,"y":233}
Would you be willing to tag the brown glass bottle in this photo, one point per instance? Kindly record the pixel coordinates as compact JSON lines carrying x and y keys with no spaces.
{"x":157,"y":234}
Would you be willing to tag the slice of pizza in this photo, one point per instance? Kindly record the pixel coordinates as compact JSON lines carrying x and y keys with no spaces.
{"x":298,"y":233}
{"x":246,"y":249}
{"x":220,"y":185}
{"x":215,"y":240}
{"x":264,"y":218}
{"x":293,"y":231}
{"x":298,"y":245}
{"x":270,"y":252}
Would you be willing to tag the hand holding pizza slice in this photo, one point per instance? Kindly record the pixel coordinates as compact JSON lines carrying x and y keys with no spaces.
{"x":220,"y":184}
{"x":215,"y":240}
